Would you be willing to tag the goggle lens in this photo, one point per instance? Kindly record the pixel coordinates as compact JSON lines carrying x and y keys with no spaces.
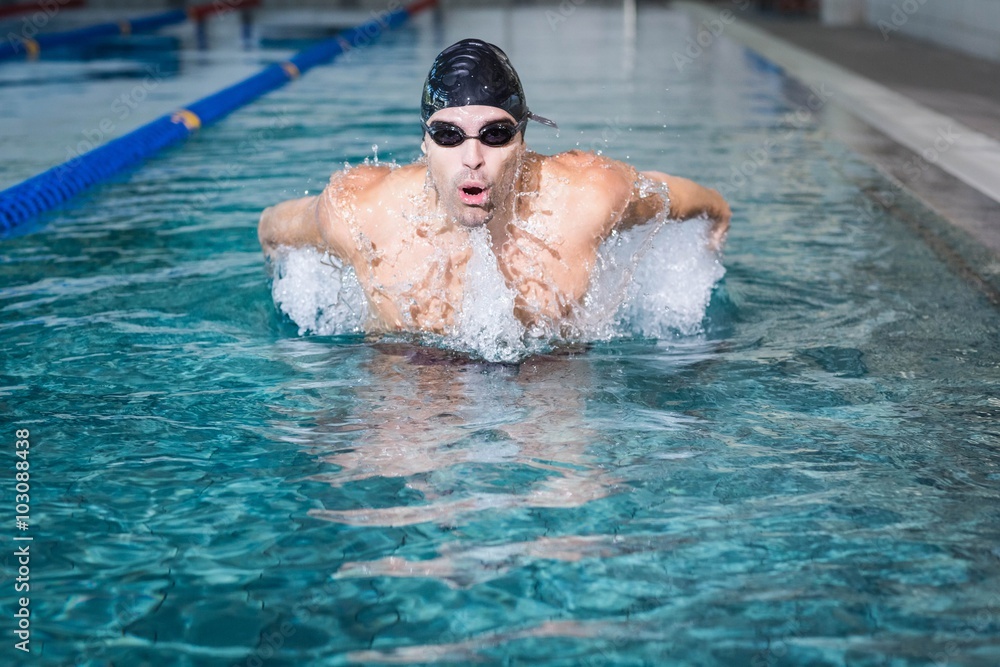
{"x":494,"y":135}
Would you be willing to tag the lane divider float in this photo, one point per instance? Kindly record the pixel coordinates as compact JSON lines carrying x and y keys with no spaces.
{"x":47,"y":190}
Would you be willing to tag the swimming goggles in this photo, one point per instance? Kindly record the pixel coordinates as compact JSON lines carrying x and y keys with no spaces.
{"x":494,"y":135}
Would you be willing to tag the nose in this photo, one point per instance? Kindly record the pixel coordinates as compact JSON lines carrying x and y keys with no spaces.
{"x":472,"y":154}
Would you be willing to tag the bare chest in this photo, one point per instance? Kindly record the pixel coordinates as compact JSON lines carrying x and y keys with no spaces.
{"x":549,"y":275}
{"x":414,"y":282}
{"x":419,"y":281}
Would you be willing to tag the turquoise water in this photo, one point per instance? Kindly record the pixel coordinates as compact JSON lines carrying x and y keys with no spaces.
{"x":810,"y":479}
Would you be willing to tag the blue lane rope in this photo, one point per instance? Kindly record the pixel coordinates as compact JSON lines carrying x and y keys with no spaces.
{"x":43,"y":192}
{"x":13,"y":48}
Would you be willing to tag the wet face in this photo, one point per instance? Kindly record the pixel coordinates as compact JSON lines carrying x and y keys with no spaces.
{"x":474,"y":183}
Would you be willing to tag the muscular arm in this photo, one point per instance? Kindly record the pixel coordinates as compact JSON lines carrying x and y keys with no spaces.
{"x":290,"y":223}
{"x":318,"y":221}
{"x":688,"y":200}
{"x":610,"y":185}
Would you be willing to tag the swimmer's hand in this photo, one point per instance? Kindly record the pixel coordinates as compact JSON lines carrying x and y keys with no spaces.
{"x":689,"y":200}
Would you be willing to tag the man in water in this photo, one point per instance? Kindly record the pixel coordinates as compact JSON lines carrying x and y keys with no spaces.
{"x":406,"y":231}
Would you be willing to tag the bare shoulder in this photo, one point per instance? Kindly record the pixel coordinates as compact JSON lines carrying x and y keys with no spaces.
{"x":599,"y":175}
{"x":328,"y":221}
{"x":353,"y":182}
{"x":355,"y":185}
{"x":355,"y":193}
{"x":591,"y":191}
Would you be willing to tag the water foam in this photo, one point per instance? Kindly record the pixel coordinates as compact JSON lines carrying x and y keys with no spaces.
{"x":486,"y":323}
{"x":673,"y":275}
{"x":654,"y":280}
{"x":318,"y":292}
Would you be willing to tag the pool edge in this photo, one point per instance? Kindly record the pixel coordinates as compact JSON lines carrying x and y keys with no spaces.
{"x":958,"y":177}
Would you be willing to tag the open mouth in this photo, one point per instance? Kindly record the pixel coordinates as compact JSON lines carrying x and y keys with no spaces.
{"x":472,"y":194}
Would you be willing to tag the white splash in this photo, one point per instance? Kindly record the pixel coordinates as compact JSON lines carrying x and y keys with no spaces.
{"x":486,"y":323}
{"x":672,"y":279}
{"x":318,"y":292}
{"x":655,"y":281}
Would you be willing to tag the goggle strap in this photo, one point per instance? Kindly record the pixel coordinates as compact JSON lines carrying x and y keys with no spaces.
{"x":542,"y":120}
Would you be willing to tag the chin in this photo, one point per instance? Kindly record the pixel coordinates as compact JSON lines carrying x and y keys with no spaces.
{"x":474,"y":218}
{"x":473,"y":223}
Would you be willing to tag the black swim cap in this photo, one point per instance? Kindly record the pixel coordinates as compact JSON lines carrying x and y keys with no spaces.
{"x":474,"y":72}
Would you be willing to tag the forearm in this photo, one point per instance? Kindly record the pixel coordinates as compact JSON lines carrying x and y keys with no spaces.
{"x":689,"y":200}
{"x":290,"y":223}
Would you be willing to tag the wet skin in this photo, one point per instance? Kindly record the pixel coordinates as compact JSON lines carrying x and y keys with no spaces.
{"x":406,"y":230}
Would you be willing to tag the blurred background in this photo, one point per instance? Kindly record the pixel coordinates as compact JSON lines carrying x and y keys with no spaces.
{"x":969,"y":26}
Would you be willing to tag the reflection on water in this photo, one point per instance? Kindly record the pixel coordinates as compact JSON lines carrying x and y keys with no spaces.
{"x":430,"y":418}
{"x":462,"y":566}
{"x":480,"y":467}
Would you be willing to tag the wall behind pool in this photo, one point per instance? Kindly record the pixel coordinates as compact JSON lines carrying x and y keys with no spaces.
{"x":970,"y":26}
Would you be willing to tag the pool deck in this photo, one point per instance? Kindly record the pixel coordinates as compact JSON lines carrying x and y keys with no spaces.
{"x":926,"y":116}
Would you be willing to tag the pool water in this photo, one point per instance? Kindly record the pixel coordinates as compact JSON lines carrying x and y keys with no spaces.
{"x":809,"y":476}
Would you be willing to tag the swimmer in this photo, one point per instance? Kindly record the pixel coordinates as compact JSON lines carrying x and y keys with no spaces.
{"x":406,"y":230}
